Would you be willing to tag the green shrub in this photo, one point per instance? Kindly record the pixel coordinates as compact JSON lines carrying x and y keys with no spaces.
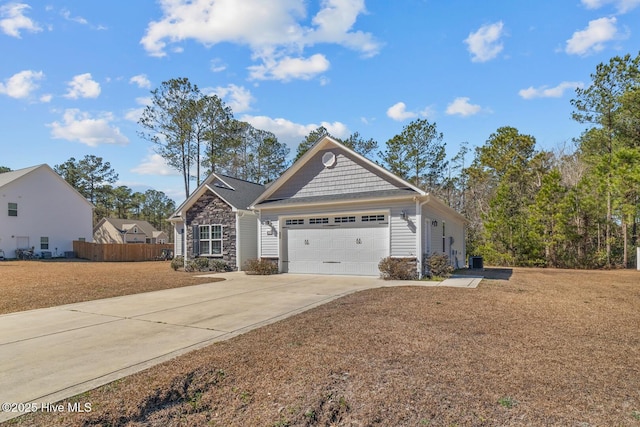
{"x":177,"y":263}
{"x":439,"y":265}
{"x":261,"y":267}
{"x":398,"y":269}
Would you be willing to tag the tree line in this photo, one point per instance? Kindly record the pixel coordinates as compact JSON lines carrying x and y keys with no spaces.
{"x":93,"y":178}
{"x":576,"y":206}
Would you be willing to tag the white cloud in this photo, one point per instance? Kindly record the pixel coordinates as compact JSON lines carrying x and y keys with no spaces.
{"x":623,"y":6}
{"x":288,"y":68}
{"x":485,"y":43}
{"x":66,"y":14}
{"x":13,"y":19}
{"x":548,"y":92}
{"x":21,"y":84}
{"x":141,"y":80}
{"x":83,"y":86}
{"x":81,"y":127}
{"x":292,"y":133}
{"x":593,"y":38}
{"x":154,"y":164}
{"x":274,"y":31}
{"x":134,"y":114}
{"x":238,"y":98}
{"x":398,"y":112}
{"x":462,"y":107}
{"x":46,"y":98}
{"x":218,"y":65}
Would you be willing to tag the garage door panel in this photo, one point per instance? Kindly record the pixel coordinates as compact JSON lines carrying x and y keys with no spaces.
{"x":336,"y":250}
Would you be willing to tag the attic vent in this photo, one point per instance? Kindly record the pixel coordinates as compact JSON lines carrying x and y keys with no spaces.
{"x":328,"y":159}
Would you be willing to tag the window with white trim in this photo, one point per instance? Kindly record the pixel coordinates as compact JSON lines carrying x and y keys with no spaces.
{"x":372,"y":218}
{"x":318,"y":220}
{"x":294,"y":222}
{"x":341,"y":219}
{"x":13,"y":209}
{"x":210,"y":239}
{"x":44,"y":243}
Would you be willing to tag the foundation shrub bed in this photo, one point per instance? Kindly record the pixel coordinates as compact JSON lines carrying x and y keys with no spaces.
{"x":397,"y":269}
{"x":439,"y":265}
{"x":262,"y":267}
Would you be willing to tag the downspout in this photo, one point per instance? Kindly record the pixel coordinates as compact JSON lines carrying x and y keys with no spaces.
{"x":239,"y":214}
{"x":419,"y":232}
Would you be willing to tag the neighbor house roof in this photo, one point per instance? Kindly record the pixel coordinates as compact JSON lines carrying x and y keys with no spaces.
{"x":9,"y":177}
{"x":237,"y":193}
{"x":124,"y":225}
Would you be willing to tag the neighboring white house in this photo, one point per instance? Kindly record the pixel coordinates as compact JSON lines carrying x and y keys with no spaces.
{"x":40,"y":210}
{"x":117,"y":230}
{"x":215,"y":221}
{"x":336,"y":212}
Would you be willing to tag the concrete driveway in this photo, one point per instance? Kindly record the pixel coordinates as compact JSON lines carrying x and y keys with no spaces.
{"x":51,"y":354}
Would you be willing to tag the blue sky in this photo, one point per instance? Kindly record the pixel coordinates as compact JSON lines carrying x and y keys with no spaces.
{"x":75,"y":75}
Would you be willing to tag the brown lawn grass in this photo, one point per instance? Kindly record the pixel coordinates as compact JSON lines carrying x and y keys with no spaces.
{"x":26,"y":285}
{"x":531,"y":348}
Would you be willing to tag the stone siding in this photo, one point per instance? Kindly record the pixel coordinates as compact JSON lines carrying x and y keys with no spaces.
{"x":209,"y":209}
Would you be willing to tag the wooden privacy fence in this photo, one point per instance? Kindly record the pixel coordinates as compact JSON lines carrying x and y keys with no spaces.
{"x":119,"y":251}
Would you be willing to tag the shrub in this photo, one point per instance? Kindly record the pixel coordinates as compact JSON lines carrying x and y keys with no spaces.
{"x":177,"y":263}
{"x":398,"y":269}
{"x":218,"y":266}
{"x":438,"y":265}
{"x":261,"y":267}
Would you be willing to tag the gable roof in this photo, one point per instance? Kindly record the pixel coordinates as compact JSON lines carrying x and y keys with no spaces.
{"x":403,"y":189}
{"x":9,"y":177}
{"x":124,"y":225}
{"x":236,"y":193}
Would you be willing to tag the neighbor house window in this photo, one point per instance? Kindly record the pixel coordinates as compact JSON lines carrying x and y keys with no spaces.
{"x":13,"y":209}
{"x":44,"y":243}
{"x":210,"y":239}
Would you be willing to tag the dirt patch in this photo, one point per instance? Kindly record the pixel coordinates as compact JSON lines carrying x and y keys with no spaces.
{"x":27,"y":285}
{"x":533,"y":347}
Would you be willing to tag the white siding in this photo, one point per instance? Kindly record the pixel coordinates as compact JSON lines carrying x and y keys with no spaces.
{"x":178,"y":235}
{"x":269,"y":236}
{"x":346,"y":176}
{"x":453,"y":228}
{"x":47,"y":207}
{"x":247,"y":237}
{"x":402,"y":232}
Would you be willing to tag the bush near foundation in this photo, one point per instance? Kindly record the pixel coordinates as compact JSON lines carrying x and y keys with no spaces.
{"x":262,"y":267}
{"x":398,"y":269}
{"x":439,"y":265}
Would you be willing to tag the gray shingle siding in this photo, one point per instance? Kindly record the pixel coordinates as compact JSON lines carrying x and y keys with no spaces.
{"x":346,"y":176}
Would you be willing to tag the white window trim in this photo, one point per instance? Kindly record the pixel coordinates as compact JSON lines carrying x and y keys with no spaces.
{"x":211,"y":240}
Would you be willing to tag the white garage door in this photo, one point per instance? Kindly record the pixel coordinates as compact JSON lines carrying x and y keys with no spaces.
{"x":336,"y":247}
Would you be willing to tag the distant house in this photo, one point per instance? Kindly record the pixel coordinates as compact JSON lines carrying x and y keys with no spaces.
{"x":215,"y":221}
{"x":39,"y":210}
{"x":116,"y":230}
{"x":336,"y":212}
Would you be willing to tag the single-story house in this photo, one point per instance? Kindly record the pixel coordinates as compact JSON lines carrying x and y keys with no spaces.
{"x":215,"y":221}
{"x":41,"y":212}
{"x":117,"y":230}
{"x":336,"y":212}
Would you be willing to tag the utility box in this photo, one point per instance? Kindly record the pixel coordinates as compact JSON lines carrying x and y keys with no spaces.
{"x":476,"y":262}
